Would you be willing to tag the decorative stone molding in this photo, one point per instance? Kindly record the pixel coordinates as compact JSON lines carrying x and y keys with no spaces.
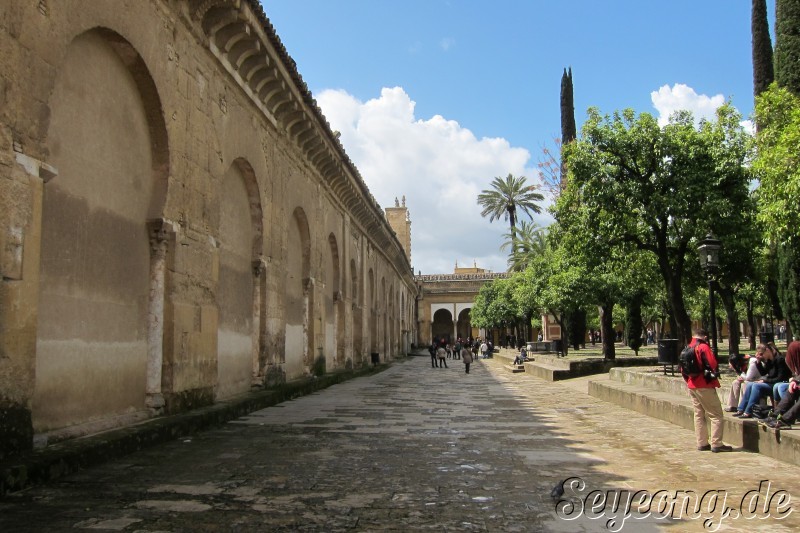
{"x":242,"y":38}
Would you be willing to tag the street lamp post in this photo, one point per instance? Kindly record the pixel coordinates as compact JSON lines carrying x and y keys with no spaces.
{"x":708,"y":250}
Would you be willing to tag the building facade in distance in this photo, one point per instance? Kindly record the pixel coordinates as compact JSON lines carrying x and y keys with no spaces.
{"x":444,"y":302}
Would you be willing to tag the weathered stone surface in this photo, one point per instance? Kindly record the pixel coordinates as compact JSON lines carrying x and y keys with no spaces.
{"x":414,"y":448}
{"x":150,"y":153}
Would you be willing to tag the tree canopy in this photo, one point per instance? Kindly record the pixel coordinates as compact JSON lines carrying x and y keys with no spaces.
{"x":507,"y":195}
{"x":660,"y":189}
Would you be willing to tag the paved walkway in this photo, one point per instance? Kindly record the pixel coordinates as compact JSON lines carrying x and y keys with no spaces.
{"x":411,"y":449}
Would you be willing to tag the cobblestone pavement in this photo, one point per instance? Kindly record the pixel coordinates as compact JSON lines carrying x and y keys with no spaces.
{"x":417,"y":448}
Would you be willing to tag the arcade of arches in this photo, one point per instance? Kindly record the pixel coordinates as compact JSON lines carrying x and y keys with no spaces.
{"x":445,"y":301}
{"x":178,"y":222}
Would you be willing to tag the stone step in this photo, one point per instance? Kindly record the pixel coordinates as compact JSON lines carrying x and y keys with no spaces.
{"x":547,"y":372}
{"x":516,"y":368}
{"x":677,"y":409}
{"x":654,"y":378}
{"x":554,"y":368}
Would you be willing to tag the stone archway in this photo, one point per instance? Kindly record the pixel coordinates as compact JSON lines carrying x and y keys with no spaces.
{"x":442,"y":326}
{"x":238,"y":288}
{"x":464,"y":324}
{"x":335,"y":328}
{"x":358,"y":314}
{"x":299,"y":344}
{"x":370,"y":309}
{"x":101,"y":292}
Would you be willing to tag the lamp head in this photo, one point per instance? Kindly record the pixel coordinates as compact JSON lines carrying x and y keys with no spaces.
{"x":708,"y":251}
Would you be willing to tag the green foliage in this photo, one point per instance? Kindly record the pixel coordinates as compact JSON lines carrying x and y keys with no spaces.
{"x":763,"y":69}
{"x":506,"y":196}
{"x":659,"y":189}
{"x":787,"y":45}
{"x":526,"y":242}
{"x":568,"y":129}
{"x":494,"y":305}
{"x":789,"y":281}
{"x":778,"y":163}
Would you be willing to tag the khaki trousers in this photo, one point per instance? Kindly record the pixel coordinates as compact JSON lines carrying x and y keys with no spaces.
{"x":706,"y":403}
{"x":737,"y":388}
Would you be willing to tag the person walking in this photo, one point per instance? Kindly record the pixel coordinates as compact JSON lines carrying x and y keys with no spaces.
{"x":441,"y":353}
{"x":466,"y":358}
{"x":432,"y":351}
{"x":702,"y":390}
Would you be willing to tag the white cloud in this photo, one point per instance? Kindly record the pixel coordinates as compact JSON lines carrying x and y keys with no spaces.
{"x":682,"y":97}
{"x":438,"y":165}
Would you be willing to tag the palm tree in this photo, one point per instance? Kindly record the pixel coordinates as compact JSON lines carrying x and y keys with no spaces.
{"x":530,"y":241}
{"x":506,"y":196}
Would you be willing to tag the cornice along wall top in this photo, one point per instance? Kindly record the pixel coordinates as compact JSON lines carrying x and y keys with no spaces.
{"x":257,"y":59}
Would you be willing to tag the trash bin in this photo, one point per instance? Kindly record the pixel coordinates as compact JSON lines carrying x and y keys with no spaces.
{"x":766,"y":336}
{"x":668,"y":352}
{"x":376,"y":357}
{"x":558,"y":346}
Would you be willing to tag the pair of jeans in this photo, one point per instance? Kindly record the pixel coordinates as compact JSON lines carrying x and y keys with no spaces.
{"x":789,"y":407}
{"x":779,"y":391}
{"x":752,"y":395}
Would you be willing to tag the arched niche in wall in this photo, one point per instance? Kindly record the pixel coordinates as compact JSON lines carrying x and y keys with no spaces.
{"x":107,"y":137}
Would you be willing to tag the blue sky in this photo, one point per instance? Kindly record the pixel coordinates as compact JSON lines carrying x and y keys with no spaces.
{"x":434,"y":98}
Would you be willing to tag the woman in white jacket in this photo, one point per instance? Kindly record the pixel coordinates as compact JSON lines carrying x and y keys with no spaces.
{"x":754,"y":372}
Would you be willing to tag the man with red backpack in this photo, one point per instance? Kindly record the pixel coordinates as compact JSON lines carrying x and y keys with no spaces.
{"x":703,"y":392}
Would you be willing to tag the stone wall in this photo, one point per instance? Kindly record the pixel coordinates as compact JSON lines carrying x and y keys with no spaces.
{"x":178,"y":222}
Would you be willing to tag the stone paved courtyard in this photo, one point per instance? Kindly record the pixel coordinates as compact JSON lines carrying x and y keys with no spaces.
{"x":413,"y":449}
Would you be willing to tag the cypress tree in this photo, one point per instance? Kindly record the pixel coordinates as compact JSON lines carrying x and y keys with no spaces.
{"x":575,"y":317}
{"x":568,"y":129}
{"x":763,"y":76}
{"x":787,"y":44}
{"x":787,"y":74}
{"x":763,"y":71}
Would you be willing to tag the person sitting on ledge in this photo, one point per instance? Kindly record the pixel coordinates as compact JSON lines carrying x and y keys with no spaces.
{"x":777,"y":371}
{"x":750,"y":369}
{"x":788,"y":409}
{"x":521,"y":357}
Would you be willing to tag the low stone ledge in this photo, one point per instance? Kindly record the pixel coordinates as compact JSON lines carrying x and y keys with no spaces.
{"x":677,"y":409}
{"x":654,"y":378}
{"x":66,"y":457}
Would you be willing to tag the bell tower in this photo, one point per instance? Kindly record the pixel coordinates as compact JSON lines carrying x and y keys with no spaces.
{"x":400,"y":221}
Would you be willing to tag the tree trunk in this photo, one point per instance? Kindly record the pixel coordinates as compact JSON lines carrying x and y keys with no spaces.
{"x":679,"y":318}
{"x":733,"y":319}
{"x":683,"y":323}
{"x":751,"y":323}
{"x":561,"y":320}
{"x":607,"y":327}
